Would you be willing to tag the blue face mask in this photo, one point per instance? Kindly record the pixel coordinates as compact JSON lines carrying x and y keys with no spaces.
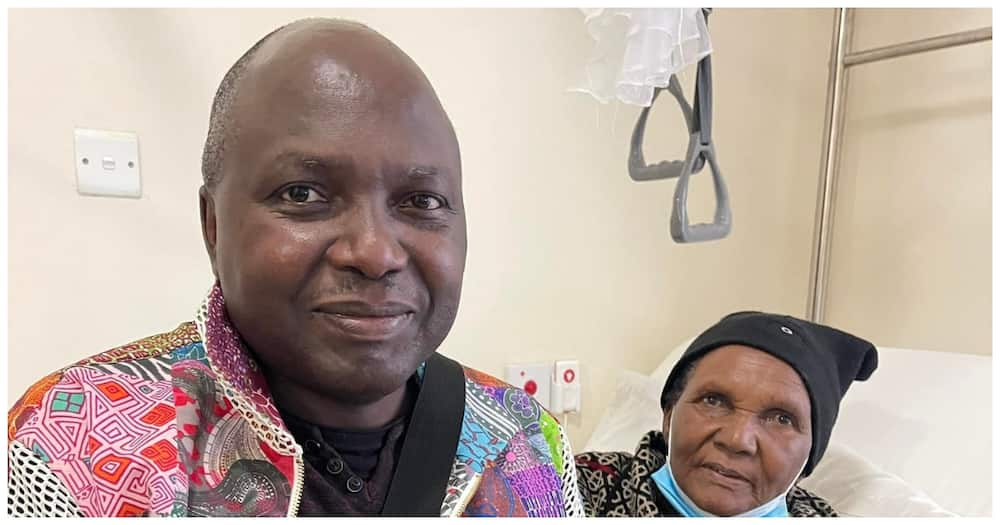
{"x":664,"y":479}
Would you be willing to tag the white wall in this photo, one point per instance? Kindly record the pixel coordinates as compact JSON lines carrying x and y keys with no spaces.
{"x":911,"y":254}
{"x":567,"y":257}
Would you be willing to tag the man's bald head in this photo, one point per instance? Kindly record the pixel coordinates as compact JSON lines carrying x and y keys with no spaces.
{"x":324,"y":42}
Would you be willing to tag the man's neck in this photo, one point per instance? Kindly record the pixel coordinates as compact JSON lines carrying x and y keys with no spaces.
{"x":327,"y":411}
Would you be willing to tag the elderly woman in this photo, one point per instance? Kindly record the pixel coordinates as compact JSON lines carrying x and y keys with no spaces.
{"x":747,"y":412}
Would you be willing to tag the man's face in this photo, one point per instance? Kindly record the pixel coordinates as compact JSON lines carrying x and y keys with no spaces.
{"x":741,"y":430}
{"x":338,"y":225}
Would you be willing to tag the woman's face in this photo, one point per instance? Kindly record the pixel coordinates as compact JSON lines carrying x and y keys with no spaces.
{"x":741,"y":430}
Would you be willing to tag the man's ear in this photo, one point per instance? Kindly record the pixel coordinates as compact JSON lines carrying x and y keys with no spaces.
{"x":206,"y":203}
{"x":666,"y":422}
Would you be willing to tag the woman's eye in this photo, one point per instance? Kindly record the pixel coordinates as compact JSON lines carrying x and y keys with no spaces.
{"x":784,"y":420}
{"x":712,"y":400}
{"x":301,"y":195}
{"x":423,"y":201}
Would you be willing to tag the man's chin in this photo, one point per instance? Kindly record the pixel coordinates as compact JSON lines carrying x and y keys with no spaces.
{"x":365,"y":380}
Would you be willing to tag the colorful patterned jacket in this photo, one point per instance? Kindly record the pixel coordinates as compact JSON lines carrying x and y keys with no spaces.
{"x":182,"y":424}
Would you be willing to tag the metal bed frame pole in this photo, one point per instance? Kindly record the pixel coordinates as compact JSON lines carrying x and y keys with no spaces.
{"x":827,"y":184}
{"x":919,"y":46}
{"x":840,"y":60}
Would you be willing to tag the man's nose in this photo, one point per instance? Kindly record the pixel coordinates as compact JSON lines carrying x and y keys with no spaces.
{"x":368,"y":244}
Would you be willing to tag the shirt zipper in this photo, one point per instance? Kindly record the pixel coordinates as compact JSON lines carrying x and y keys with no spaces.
{"x":466,"y":497}
{"x":297,"y":483}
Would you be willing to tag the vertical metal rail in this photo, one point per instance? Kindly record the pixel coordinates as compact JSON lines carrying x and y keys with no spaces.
{"x":840,"y":61}
{"x":828,"y":176}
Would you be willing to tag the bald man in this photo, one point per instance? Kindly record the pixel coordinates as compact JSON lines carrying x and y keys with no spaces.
{"x":308,"y":383}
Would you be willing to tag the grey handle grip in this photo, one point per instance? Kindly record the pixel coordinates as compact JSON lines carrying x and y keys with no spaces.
{"x":701,"y":151}
{"x":698,"y":153}
{"x":638,"y":170}
{"x":681,"y":229}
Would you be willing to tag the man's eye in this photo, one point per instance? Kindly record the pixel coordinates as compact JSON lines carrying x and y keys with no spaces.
{"x":301,"y":195}
{"x":423,"y":201}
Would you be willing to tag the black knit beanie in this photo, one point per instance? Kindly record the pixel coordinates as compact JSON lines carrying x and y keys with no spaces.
{"x":826,"y":359}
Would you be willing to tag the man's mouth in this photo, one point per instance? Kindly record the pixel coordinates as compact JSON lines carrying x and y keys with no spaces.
{"x":365,"y":320}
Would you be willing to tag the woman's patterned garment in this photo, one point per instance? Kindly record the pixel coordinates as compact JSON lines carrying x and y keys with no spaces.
{"x":619,"y":484}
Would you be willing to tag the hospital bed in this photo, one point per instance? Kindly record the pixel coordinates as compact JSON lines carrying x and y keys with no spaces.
{"x":914,"y":440}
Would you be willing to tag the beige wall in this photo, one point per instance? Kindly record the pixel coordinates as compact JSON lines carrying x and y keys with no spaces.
{"x":911,"y":253}
{"x":567,"y":257}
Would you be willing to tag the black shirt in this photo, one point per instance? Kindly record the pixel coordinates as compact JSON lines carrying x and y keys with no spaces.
{"x":347,"y":472}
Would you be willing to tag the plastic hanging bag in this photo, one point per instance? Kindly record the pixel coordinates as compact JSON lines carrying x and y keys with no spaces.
{"x":637,"y":51}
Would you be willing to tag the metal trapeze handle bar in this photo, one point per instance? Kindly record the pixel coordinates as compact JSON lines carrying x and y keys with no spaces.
{"x":700,"y":151}
{"x":638,"y":170}
{"x":700,"y":146}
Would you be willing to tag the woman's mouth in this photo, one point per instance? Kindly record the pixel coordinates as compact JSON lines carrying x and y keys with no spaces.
{"x":724,"y":476}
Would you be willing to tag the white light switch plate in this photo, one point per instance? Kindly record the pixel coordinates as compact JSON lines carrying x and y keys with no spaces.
{"x":107,"y":163}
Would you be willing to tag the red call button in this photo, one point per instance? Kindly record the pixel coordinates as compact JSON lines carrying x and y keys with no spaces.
{"x":569,"y":375}
{"x":530,"y":387}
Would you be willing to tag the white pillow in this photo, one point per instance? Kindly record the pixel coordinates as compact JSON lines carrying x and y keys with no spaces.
{"x":927,"y":417}
{"x":855,"y":487}
{"x":665,"y":366}
{"x":633,"y":411}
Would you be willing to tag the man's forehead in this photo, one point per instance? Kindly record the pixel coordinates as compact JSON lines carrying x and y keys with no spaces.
{"x":324,"y":90}
{"x":297,"y":159}
{"x":319,"y":65}
{"x":334,"y":52}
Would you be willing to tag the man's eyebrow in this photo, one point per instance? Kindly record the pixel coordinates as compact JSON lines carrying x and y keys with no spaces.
{"x":422,"y":171}
{"x":298,"y":159}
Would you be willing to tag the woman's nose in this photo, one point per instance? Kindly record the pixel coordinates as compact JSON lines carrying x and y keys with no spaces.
{"x":738,"y":434}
